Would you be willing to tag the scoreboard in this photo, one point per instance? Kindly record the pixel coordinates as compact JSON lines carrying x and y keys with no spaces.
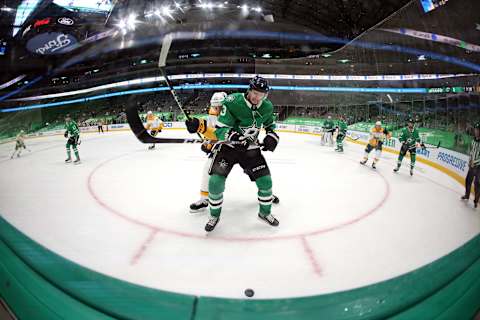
{"x":453,"y":89}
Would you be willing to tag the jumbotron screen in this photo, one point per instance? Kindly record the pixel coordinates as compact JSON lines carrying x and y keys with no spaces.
{"x":86,"y":5}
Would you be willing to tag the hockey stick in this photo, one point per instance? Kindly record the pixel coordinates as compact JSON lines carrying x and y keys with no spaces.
{"x":352,"y":137}
{"x":433,"y":147}
{"x":142,"y":134}
{"x":162,"y":61}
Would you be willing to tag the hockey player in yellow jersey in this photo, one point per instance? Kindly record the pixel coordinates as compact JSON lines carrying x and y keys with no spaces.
{"x":154,"y":124}
{"x":207,"y":129}
{"x":378,"y":135}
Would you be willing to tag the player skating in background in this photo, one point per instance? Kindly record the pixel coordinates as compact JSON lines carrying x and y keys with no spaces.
{"x":378,"y":135}
{"x":341,"y":129}
{"x":328,"y":130}
{"x":19,"y":144}
{"x":239,"y":124}
{"x":207,"y":129}
{"x":72,"y":133}
{"x":473,"y":174}
{"x":155,"y":125}
{"x":410,"y":140}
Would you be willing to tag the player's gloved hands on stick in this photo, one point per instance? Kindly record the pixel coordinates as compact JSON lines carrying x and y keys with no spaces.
{"x":192,"y":124}
{"x":270,"y":141}
{"x":238,"y":140}
{"x":206,"y":147}
{"x":65,"y":134}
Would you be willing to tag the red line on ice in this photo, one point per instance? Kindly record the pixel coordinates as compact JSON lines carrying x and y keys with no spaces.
{"x":138,"y":255}
{"x":311,"y":257}
{"x":245,"y":239}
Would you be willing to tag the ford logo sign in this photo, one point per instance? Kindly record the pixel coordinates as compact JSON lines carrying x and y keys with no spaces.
{"x":65,"y":21}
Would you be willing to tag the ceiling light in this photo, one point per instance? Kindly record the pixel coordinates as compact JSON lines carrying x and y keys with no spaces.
{"x":257,"y":9}
{"x":131,"y":20}
{"x":166,"y":11}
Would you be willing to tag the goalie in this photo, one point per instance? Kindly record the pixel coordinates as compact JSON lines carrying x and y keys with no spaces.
{"x":328,"y":130}
{"x":155,"y":125}
{"x":378,"y":135}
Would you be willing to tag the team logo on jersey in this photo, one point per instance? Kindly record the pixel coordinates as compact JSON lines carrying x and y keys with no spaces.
{"x":229,"y":98}
{"x":223,"y":164}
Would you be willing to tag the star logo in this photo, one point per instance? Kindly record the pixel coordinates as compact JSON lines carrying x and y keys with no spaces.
{"x":223,"y":164}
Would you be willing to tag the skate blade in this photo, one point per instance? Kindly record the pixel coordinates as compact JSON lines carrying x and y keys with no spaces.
{"x":198,"y":210}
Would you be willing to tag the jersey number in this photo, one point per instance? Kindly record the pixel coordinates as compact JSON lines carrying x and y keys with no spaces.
{"x":224,"y":111}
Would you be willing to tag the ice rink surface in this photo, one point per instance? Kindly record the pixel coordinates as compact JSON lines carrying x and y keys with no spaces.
{"x":124,"y":212}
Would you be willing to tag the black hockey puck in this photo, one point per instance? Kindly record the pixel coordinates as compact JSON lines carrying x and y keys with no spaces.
{"x":249,"y":293}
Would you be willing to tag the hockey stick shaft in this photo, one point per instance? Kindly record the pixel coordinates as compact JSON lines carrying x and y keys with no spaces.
{"x":162,"y":61}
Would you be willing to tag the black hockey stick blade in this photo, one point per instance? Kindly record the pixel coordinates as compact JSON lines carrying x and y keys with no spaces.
{"x":435,"y":147}
{"x":142,"y":134}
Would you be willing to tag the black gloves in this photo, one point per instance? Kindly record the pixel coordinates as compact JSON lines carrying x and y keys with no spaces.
{"x":270,"y":142}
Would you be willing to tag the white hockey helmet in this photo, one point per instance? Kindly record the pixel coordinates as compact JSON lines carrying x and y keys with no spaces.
{"x":149,"y":113}
{"x":378,"y":123}
{"x":217,"y":99}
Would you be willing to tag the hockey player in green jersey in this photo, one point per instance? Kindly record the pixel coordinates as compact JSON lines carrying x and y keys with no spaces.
{"x":328,"y":130}
{"x":341,"y":133}
{"x":72,"y":133}
{"x":237,"y":129}
{"x":410,"y":140}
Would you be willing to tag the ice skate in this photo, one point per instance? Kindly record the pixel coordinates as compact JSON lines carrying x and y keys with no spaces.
{"x":68,"y":160}
{"x":411,"y":171}
{"x":212,"y":222}
{"x":374,"y":166}
{"x":77,"y":161}
{"x":270,"y":219}
{"x":199,"y":205}
{"x":364,"y":161}
{"x":275,"y":199}
{"x":396,"y":169}
{"x":465,"y":197}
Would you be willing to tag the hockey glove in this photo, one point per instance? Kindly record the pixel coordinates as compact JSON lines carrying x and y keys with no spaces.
{"x":270,"y":141}
{"x":206,"y":147}
{"x":65,"y":134}
{"x":238,"y":140}
{"x":195,"y":125}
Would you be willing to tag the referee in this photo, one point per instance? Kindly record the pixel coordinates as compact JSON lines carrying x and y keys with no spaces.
{"x":474,"y":167}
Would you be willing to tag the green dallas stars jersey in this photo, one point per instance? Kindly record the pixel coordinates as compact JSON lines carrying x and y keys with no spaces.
{"x":328,"y":124}
{"x":410,"y":137}
{"x":72,"y":128}
{"x":237,"y":114}
{"x":342,"y":126}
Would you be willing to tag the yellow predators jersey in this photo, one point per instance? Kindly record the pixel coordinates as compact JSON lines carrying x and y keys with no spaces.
{"x":378,"y":135}
{"x":154,"y":123}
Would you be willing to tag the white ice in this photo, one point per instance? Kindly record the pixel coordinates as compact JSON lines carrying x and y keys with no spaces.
{"x":124,"y":212}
